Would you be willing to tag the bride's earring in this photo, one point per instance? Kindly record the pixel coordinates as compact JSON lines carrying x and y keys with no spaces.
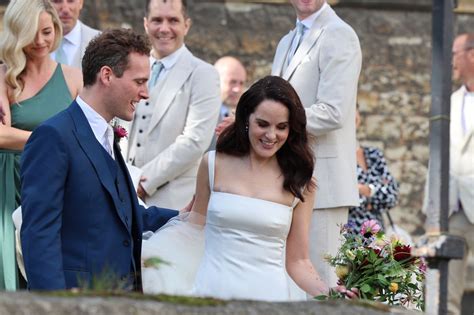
{"x":247,"y":128}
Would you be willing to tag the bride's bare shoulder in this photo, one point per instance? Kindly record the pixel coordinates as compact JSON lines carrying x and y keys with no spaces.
{"x":226,"y":159}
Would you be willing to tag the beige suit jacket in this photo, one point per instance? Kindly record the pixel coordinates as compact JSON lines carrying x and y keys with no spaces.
{"x":324,"y":72}
{"x":461,"y":158}
{"x":186,"y":107}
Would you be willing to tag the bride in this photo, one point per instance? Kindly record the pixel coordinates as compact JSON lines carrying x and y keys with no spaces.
{"x":254,"y":200}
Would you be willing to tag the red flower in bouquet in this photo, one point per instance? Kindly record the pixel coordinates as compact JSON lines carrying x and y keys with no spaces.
{"x":401,"y":252}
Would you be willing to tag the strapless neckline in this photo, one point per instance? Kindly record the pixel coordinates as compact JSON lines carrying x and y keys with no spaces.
{"x":251,"y":198}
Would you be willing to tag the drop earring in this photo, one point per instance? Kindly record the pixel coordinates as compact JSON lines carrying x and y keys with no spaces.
{"x":246,"y":128}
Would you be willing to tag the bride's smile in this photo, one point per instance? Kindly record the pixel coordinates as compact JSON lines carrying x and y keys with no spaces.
{"x":268,"y":128}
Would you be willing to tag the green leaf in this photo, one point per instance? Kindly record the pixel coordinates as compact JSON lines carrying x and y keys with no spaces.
{"x":382,"y":279}
{"x":154,"y":262}
{"x":365,"y":288}
{"x":321,"y":298}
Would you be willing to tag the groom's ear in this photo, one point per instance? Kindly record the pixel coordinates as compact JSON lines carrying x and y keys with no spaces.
{"x":105,"y":75}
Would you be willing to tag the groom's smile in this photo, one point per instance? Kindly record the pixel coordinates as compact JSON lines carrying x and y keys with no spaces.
{"x":131,"y":86}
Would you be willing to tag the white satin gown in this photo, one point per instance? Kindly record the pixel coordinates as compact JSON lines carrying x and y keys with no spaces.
{"x":243,"y":254}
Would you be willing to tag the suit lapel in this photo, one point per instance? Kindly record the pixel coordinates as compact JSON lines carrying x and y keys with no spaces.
{"x":467,"y":139}
{"x":167,"y":89}
{"x":77,"y":60}
{"x":92,"y":150}
{"x":280,"y":58}
{"x":302,"y":51}
{"x":456,"y":126}
{"x":314,"y":33}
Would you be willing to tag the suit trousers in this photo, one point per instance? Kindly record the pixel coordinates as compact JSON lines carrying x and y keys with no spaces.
{"x":324,"y":238}
{"x":459,"y":225}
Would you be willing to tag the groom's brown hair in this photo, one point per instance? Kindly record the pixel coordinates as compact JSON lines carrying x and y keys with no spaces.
{"x":112,"y":48}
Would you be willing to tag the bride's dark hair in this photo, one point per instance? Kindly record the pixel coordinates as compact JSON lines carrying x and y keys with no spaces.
{"x":295,"y":157}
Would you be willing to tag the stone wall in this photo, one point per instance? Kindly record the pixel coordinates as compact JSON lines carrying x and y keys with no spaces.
{"x":28,"y":303}
{"x":394,"y":86}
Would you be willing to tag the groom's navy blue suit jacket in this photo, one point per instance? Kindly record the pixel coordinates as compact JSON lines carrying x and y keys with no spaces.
{"x":76,"y":224}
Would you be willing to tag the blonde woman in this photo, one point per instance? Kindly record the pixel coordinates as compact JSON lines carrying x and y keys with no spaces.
{"x":33,"y":87}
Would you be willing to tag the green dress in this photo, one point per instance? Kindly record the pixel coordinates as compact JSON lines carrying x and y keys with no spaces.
{"x":26,"y":115}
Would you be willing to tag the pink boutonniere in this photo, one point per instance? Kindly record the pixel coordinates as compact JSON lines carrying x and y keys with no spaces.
{"x":119,"y":132}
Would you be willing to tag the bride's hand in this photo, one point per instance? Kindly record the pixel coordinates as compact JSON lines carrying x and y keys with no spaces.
{"x":351,"y":294}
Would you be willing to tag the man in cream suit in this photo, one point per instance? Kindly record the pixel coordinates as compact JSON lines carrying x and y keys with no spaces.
{"x":76,"y":34}
{"x":173,"y":128}
{"x":321,"y":59}
{"x":461,"y":220}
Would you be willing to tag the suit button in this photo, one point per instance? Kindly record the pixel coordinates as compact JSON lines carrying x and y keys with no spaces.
{"x":147,"y":103}
{"x":138,"y":145}
{"x":140,"y":131}
{"x":144,"y":117}
{"x":126,"y":243}
{"x":130,"y":159}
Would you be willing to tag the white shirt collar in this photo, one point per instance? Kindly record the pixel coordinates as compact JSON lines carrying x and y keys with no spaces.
{"x":466,"y":92}
{"x":74,"y":36}
{"x":98,"y":124}
{"x":308,"y":22}
{"x":170,"y":60}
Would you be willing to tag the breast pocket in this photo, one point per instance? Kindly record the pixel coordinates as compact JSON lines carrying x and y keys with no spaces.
{"x":306,"y":59}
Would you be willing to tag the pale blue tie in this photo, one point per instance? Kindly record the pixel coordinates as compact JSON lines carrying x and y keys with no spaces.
{"x":108,"y":140}
{"x":296,"y":40}
{"x":61,"y":56}
{"x":155,"y":73}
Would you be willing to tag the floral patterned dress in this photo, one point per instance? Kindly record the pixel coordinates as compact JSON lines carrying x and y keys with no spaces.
{"x":385,"y":186}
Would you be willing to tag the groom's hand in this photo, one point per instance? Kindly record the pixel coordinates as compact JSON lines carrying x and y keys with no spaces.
{"x":189,"y":206}
{"x":140,"y":191}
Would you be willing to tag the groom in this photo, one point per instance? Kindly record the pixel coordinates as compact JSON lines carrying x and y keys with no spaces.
{"x":81,"y":220}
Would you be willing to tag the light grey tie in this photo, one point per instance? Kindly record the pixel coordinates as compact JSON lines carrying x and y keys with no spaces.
{"x":108,"y":140}
{"x":296,"y":41}
{"x":155,"y":73}
{"x":61,"y":56}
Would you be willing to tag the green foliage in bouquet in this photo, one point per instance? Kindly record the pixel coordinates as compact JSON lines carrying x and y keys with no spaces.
{"x":382,"y":269}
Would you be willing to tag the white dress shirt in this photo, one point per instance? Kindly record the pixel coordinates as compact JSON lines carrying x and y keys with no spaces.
{"x":168,"y":62}
{"x":467,"y":111}
{"x":70,"y":43}
{"x":102,"y":130}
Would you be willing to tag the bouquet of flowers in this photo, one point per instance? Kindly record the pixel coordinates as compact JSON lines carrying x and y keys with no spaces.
{"x":382,"y":269}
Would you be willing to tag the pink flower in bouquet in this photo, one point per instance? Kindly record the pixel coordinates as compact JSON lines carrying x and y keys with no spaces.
{"x":120,"y":132}
{"x":369,"y":228}
{"x":423,"y":267}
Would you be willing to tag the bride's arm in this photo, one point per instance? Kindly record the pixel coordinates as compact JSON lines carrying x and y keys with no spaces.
{"x":298,"y":263}
{"x":199,"y":210}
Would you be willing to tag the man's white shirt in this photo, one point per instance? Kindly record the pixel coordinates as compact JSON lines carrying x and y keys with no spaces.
{"x":102,"y":130}
{"x":168,"y":62}
{"x":70,"y":43}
